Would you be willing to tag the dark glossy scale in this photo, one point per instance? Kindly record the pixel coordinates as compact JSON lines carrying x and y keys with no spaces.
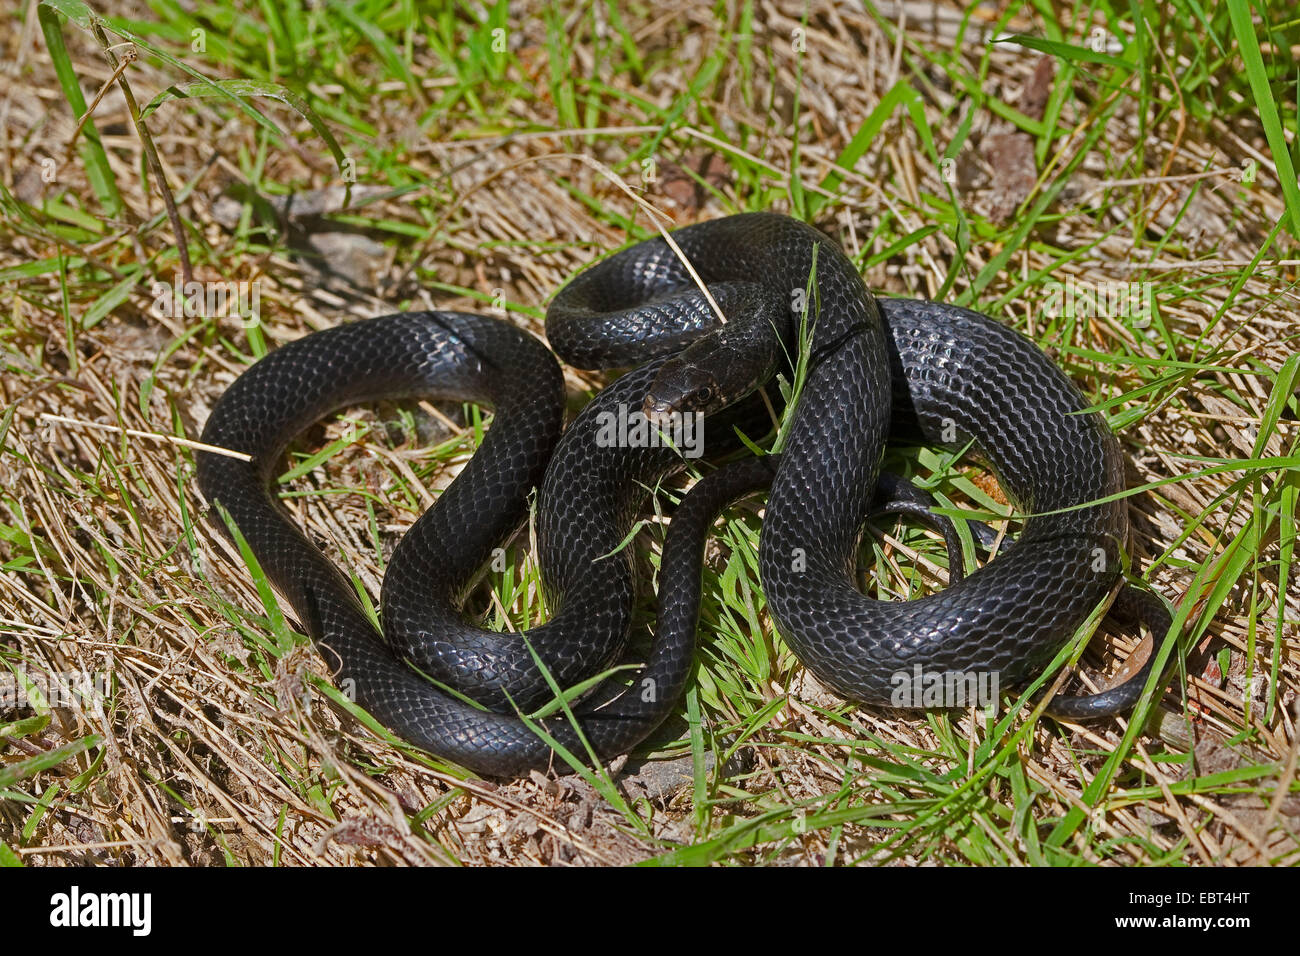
{"x":954,"y":375}
{"x":587,"y":505}
{"x":957,"y":377}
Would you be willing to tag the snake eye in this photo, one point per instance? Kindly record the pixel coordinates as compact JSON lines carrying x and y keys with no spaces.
{"x":704,"y":395}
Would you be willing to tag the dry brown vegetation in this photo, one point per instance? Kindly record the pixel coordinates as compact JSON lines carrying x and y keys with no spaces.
{"x":212,"y":748}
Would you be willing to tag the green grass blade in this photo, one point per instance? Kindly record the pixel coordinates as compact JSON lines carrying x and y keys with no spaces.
{"x":1248,"y":45}
{"x":98,"y":171}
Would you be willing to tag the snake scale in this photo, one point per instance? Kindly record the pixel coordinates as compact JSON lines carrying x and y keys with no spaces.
{"x":870,"y":369}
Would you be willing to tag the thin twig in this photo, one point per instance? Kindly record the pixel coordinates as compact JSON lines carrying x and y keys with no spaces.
{"x":150,"y":152}
{"x":154,"y":436}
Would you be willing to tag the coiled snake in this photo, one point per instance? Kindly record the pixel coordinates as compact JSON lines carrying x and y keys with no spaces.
{"x":937,"y":373}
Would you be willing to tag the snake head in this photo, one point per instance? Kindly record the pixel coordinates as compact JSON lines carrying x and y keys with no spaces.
{"x":682,"y":387}
{"x":715,"y":371}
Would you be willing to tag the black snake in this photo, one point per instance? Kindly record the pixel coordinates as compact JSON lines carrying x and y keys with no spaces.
{"x":933,"y":372}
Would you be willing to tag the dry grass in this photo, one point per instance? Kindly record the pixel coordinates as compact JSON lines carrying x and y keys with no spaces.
{"x":210,"y":748}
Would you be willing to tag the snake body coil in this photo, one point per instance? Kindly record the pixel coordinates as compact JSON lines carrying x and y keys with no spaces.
{"x":954,"y":377}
